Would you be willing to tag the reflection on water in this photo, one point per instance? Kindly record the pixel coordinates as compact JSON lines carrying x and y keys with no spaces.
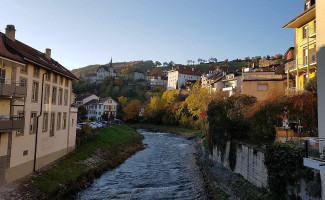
{"x":165,"y":170}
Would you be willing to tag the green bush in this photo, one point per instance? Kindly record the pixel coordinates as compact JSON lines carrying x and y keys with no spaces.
{"x":284,"y":163}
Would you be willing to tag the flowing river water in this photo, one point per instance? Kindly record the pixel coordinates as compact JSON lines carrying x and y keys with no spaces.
{"x":166,"y":169}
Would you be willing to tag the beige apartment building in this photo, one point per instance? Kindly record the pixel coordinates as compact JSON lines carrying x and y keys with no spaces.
{"x":37,"y":121}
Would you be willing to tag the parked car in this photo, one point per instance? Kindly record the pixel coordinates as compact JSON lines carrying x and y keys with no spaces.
{"x":117,"y":121}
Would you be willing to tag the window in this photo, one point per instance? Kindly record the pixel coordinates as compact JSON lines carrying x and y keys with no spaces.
{"x":46,"y":93}
{"x":2,"y":75}
{"x":21,"y":116}
{"x":52,"y":124}
{"x":60,"y":96}
{"x":55,"y":78}
{"x":32,"y":122}
{"x":72,"y":121}
{"x":262,"y":87}
{"x":304,"y":32}
{"x":23,"y":69}
{"x":66,"y":82}
{"x":45,"y":122}
{"x":48,"y":76}
{"x":35,"y":91}
{"x":54,"y":95}
{"x":36,"y":71}
{"x":60,"y":80}
{"x":23,"y":82}
{"x":65,"y":97}
{"x":64,"y":125}
{"x":58,"y":121}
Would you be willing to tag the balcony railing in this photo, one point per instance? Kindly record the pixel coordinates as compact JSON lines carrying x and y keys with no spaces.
{"x":9,"y":123}
{"x":301,"y":62}
{"x":315,"y":148}
{"x":12,"y":88}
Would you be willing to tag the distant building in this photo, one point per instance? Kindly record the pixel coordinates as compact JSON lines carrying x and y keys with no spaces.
{"x":104,"y":71}
{"x":232,"y":83}
{"x":263,"y":83}
{"x":137,"y":74}
{"x":82,"y":99}
{"x":178,"y":75}
{"x":98,"y":107}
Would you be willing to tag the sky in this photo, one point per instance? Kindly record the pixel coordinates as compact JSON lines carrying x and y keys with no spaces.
{"x":84,"y":32}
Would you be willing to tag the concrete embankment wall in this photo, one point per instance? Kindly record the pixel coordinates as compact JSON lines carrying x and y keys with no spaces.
{"x":249,"y":163}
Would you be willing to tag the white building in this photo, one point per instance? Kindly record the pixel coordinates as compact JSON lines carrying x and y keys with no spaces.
{"x":177,"y":76}
{"x":104,"y":71}
{"x":232,"y":83}
{"x":97,"y":107}
{"x":82,"y":99}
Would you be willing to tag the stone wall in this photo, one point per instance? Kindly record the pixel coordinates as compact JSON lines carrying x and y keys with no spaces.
{"x":249,"y":163}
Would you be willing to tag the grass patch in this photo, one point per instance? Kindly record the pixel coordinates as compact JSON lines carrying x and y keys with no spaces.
{"x":115,"y":140}
{"x":170,"y":129}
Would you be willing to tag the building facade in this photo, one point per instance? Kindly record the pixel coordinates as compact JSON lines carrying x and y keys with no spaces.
{"x":303,"y":68}
{"x":104,"y":71}
{"x":37,"y":122}
{"x":178,"y":75}
{"x":98,"y":107}
{"x":82,"y":99}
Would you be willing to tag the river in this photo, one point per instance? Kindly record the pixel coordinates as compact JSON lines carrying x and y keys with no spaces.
{"x":166,"y":169}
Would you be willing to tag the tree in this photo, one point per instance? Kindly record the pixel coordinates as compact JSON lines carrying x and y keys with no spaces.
{"x":189,"y":62}
{"x":156,"y":71}
{"x":111,"y":117}
{"x":105,"y":117}
{"x":82,"y":113}
{"x":278,"y":56}
{"x":123,"y":101}
{"x":246,"y":59}
{"x":132,"y":110}
{"x":165,"y":64}
{"x":311,"y":86}
{"x":213,"y":60}
{"x":157,"y":63}
{"x":171,"y":63}
{"x":200,"y":60}
{"x":226,"y":60}
{"x":156,"y":109}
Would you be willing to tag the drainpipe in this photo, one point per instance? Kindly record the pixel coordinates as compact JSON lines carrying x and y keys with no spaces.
{"x":37,"y":119}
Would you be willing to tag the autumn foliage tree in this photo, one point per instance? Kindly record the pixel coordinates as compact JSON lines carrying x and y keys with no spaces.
{"x":131,"y":111}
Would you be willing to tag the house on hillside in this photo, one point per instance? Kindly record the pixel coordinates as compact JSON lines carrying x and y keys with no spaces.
{"x":137,"y":74}
{"x":36,"y":97}
{"x":102,"y":106}
{"x":304,"y":66}
{"x":104,"y":71}
{"x":232,"y":83}
{"x":264,"y":82}
{"x":178,"y":75}
{"x":82,"y":99}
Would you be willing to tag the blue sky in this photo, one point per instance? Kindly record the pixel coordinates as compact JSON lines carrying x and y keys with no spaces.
{"x":83,"y":32}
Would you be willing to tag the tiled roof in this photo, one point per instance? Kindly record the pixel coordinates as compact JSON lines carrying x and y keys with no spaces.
{"x":30,"y":54}
{"x":186,"y":70}
{"x":81,"y":97}
{"x":7,"y":52}
{"x":94,"y":101}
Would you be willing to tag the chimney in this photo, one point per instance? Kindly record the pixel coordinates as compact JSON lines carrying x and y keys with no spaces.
{"x":10,"y":32}
{"x":48,"y":53}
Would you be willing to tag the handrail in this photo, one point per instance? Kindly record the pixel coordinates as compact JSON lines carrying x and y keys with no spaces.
{"x":10,"y":81}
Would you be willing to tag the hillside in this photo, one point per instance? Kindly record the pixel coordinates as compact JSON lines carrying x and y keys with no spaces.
{"x":148,"y":65}
{"x":91,"y":69}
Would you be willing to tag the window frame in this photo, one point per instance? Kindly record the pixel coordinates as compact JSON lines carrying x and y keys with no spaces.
{"x":55,"y":95}
{"x":35,"y":90}
{"x":32,"y":124}
{"x":58,"y":121}
{"x":45,"y":124}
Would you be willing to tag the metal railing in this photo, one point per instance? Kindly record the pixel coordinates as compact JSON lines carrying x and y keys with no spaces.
{"x":10,"y":87}
{"x":315,"y":148}
{"x":301,"y":62}
{"x":11,"y":122}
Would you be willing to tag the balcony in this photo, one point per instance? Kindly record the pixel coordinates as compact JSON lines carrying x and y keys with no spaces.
{"x":301,"y":63}
{"x":10,"y":123}
{"x":315,"y":153}
{"x":12,"y":88}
